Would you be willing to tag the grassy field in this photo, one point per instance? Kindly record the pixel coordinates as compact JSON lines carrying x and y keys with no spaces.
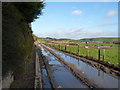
{"x":109,"y":55}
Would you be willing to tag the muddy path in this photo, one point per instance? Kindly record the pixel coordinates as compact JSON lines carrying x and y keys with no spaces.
{"x":46,"y":79}
{"x":107,"y":68}
{"x":93,"y":77}
{"x":58,"y":76}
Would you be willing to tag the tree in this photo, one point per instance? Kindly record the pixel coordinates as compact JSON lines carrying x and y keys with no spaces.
{"x":30,"y":11}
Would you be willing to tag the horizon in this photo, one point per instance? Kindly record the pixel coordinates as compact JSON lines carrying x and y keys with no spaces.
{"x":81,"y":38}
{"x":77,"y":20}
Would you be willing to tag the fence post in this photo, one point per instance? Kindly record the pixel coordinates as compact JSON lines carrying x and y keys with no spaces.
{"x":103,"y":54}
{"x":103,"y":57}
{"x":59,"y":46}
{"x":98,"y":54}
{"x":86,"y":43}
{"x":78,"y":50}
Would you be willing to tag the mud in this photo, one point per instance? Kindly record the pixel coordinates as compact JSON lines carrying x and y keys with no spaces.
{"x":104,"y":66}
{"x":44,"y":64}
{"x":61,"y":74}
{"x":79,"y":75}
{"x":93,"y":73}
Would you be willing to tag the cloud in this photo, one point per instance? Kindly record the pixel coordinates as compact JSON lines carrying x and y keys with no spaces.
{"x":107,"y":24}
{"x":111,"y":13}
{"x":77,"y":12}
{"x":81,"y":33}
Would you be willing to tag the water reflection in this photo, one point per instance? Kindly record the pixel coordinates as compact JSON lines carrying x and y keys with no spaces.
{"x":101,"y":78}
{"x":78,"y":63}
{"x":62,"y":76}
{"x":98,"y":72}
{"x":86,"y":67}
{"x":46,"y":83}
{"x":103,"y":75}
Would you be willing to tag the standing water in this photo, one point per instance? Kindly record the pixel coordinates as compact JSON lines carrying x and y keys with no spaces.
{"x":63,"y":77}
{"x":101,"y":78}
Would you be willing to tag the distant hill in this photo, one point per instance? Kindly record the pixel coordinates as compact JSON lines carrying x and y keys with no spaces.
{"x":99,"y":39}
{"x":55,"y":38}
{"x":103,"y":39}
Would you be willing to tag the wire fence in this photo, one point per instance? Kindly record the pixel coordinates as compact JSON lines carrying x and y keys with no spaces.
{"x":107,"y":54}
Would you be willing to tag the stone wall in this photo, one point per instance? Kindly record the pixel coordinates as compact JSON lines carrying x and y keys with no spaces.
{"x":7,"y":80}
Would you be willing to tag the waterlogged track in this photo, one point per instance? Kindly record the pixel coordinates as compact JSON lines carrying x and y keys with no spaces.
{"x":63,"y":78}
{"x":100,"y":78}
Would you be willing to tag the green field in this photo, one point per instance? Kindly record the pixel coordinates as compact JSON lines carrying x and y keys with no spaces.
{"x":109,"y":55}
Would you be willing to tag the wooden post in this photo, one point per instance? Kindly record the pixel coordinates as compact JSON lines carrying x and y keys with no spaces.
{"x":59,"y":46}
{"x":103,"y":57}
{"x":86,"y":42}
{"x":98,"y":54}
{"x":78,"y":50}
{"x":103,"y":54}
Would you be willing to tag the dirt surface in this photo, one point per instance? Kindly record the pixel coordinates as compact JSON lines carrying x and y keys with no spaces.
{"x":47,"y":67}
{"x":97,"y":64}
{"x":74,"y":71}
{"x":27,"y":79}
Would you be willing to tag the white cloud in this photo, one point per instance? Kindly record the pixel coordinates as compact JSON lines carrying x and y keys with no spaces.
{"x":81,"y":33}
{"x":107,"y":24}
{"x":77,"y":12}
{"x":111,"y":13}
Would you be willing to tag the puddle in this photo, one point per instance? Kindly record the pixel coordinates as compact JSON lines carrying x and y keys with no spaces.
{"x":63,"y":77}
{"x":101,"y":78}
{"x":46,"y":82}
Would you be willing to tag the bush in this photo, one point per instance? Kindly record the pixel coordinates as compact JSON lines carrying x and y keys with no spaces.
{"x":17,"y":39}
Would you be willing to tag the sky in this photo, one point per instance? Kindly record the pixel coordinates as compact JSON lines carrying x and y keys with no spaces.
{"x":77,"y":20}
